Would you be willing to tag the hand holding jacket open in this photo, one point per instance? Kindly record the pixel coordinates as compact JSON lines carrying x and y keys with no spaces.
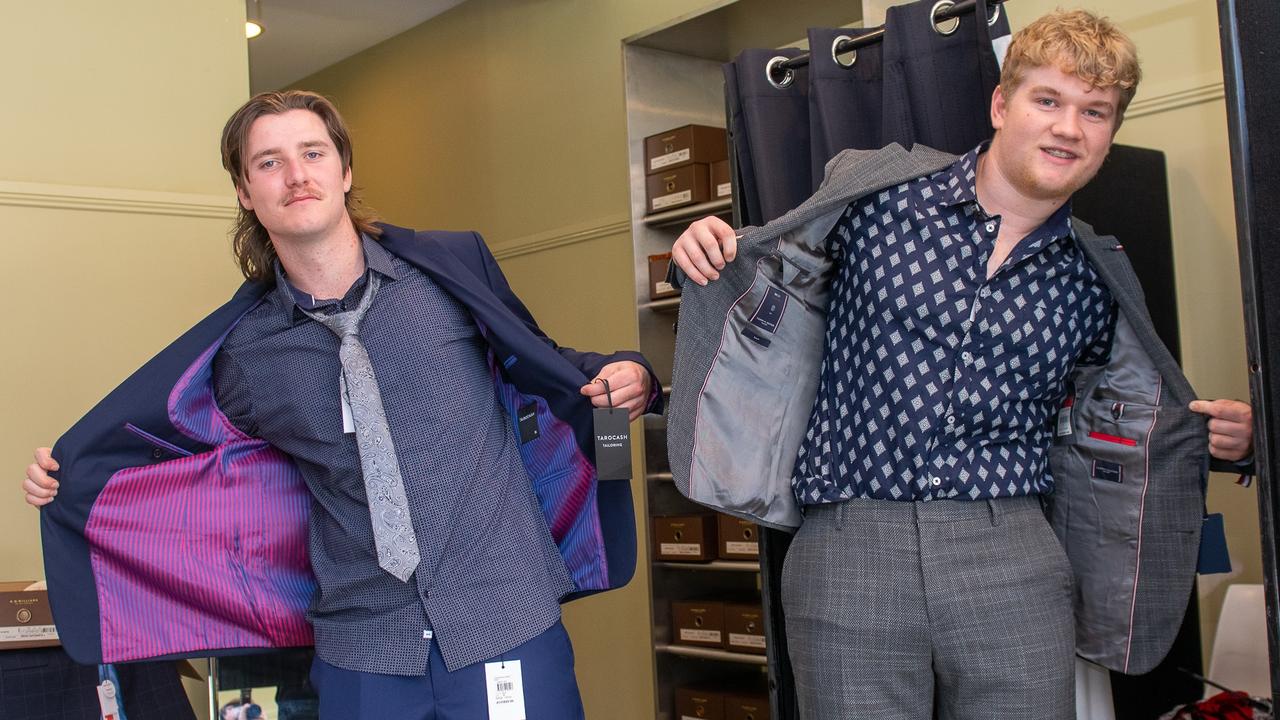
{"x":1230,"y":427}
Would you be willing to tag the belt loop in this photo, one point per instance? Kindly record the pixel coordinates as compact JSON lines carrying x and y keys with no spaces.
{"x":995,"y":512}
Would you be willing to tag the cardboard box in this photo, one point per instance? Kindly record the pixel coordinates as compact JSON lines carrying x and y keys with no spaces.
{"x":746,"y":707}
{"x":721,"y":184}
{"x":744,"y":628}
{"x":694,"y":704}
{"x":659,"y":288}
{"x":684,"y":538}
{"x":25,"y":618}
{"x":671,"y":189}
{"x":739,"y":539}
{"x":683,"y":146}
{"x":698,"y":623}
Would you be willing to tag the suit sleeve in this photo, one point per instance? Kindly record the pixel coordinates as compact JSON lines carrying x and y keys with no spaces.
{"x":590,"y":363}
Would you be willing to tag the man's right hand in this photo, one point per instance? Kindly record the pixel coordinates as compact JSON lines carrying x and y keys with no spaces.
{"x":39,"y":487}
{"x":702,"y":250}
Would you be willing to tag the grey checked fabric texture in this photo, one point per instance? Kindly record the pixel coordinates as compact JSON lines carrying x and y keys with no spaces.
{"x":393,"y":534}
{"x":938,"y":382}
{"x":490,"y":575}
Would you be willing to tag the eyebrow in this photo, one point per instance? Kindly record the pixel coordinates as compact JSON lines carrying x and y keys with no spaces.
{"x":276,"y":151}
{"x":1046,"y":90}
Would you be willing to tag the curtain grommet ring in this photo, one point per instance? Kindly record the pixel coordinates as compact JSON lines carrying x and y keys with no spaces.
{"x":835,"y":52}
{"x":946,"y":27}
{"x":788,"y":75}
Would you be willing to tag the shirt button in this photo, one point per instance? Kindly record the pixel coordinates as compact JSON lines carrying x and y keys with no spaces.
{"x":966,"y":357}
{"x":157,"y":453}
{"x":936,"y":481}
{"x":991,"y":227}
{"x":951,"y":420}
{"x":985,"y":292}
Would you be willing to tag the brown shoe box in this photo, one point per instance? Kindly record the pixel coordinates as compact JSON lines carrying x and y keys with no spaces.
{"x":744,"y":628}
{"x":746,"y":707}
{"x":694,"y":704}
{"x":25,"y":618}
{"x":721,"y":185}
{"x":671,"y":189}
{"x":683,"y":146}
{"x":698,"y":623}
{"x":739,"y":539}
{"x":684,"y":538}
{"x":659,"y":288}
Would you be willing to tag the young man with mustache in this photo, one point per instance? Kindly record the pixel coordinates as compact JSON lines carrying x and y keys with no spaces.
{"x":389,"y":383}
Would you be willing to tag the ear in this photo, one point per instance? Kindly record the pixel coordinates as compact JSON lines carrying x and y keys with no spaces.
{"x":346,"y":181}
{"x":999,"y":108}
{"x":245,"y":202}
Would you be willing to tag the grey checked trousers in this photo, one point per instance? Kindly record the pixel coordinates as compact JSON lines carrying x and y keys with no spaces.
{"x":897,"y":609}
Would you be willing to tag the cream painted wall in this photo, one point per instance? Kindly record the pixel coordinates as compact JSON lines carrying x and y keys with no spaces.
{"x":114,"y":204}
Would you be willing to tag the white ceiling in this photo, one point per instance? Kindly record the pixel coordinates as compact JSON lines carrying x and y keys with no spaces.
{"x":302,"y":36}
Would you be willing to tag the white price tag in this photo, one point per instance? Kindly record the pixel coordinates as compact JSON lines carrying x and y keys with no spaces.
{"x":666,"y":201}
{"x":669,"y":159}
{"x":691,"y":635}
{"x":107,"y":700}
{"x":1064,"y":421}
{"x":505,"y":687}
{"x":685,"y":549}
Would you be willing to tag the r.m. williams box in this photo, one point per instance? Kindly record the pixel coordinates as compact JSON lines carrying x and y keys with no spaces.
{"x":25,"y":618}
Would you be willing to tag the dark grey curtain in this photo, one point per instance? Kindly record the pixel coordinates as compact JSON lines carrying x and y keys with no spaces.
{"x":918,"y":85}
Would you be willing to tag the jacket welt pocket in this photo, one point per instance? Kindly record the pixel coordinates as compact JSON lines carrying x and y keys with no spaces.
{"x":157,"y":443}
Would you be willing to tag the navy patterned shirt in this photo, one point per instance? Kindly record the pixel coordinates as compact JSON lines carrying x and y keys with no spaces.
{"x":937,"y":381}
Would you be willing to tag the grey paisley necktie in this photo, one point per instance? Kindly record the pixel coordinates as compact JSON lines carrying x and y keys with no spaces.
{"x":393,"y":534}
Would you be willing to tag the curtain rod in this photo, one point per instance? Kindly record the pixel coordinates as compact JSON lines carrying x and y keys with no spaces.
{"x":943,"y":10}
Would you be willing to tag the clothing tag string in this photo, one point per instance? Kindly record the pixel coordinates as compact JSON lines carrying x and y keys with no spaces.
{"x":608,"y":393}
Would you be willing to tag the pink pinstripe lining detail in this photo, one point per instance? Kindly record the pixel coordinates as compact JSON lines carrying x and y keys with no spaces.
{"x":1142,"y":507}
{"x":724,"y":333}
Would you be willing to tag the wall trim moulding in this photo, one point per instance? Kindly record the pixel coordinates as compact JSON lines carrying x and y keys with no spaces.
{"x":1177,"y":99}
{"x":118,"y":200}
{"x":559,"y":237}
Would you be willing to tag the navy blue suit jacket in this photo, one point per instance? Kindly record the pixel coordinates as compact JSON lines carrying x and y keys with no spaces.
{"x":160,"y":497}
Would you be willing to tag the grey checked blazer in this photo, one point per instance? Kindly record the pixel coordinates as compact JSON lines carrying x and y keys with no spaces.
{"x":739,"y":411}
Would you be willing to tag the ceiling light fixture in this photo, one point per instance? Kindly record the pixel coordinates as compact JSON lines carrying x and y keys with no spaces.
{"x":252,"y":19}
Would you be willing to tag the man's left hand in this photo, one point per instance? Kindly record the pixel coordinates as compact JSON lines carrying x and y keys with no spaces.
{"x":1230,"y":427}
{"x":628,"y":383}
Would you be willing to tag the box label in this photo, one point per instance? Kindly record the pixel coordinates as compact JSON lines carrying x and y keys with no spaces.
{"x":667,"y":201}
{"x":690,"y":635}
{"x":742,"y":548}
{"x":724,"y":190}
{"x":669,"y":159}
{"x":28,"y":633}
{"x":694,"y":549}
{"x":749,"y":641}
{"x":663,"y":286}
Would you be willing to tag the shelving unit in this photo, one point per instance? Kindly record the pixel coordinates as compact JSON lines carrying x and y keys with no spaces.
{"x":673,"y":77}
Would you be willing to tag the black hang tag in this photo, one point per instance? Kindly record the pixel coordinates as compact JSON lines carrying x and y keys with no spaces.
{"x":1214,"y":557}
{"x":756,"y":337}
{"x":769,"y":314}
{"x":613,"y":443}
{"x":528,"y":421}
{"x":1109,"y":471}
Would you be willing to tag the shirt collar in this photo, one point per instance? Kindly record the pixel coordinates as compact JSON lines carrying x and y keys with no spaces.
{"x":958,"y":185}
{"x":376,"y":259}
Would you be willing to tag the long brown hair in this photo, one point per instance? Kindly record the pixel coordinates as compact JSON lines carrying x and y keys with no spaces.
{"x":250,"y":242}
